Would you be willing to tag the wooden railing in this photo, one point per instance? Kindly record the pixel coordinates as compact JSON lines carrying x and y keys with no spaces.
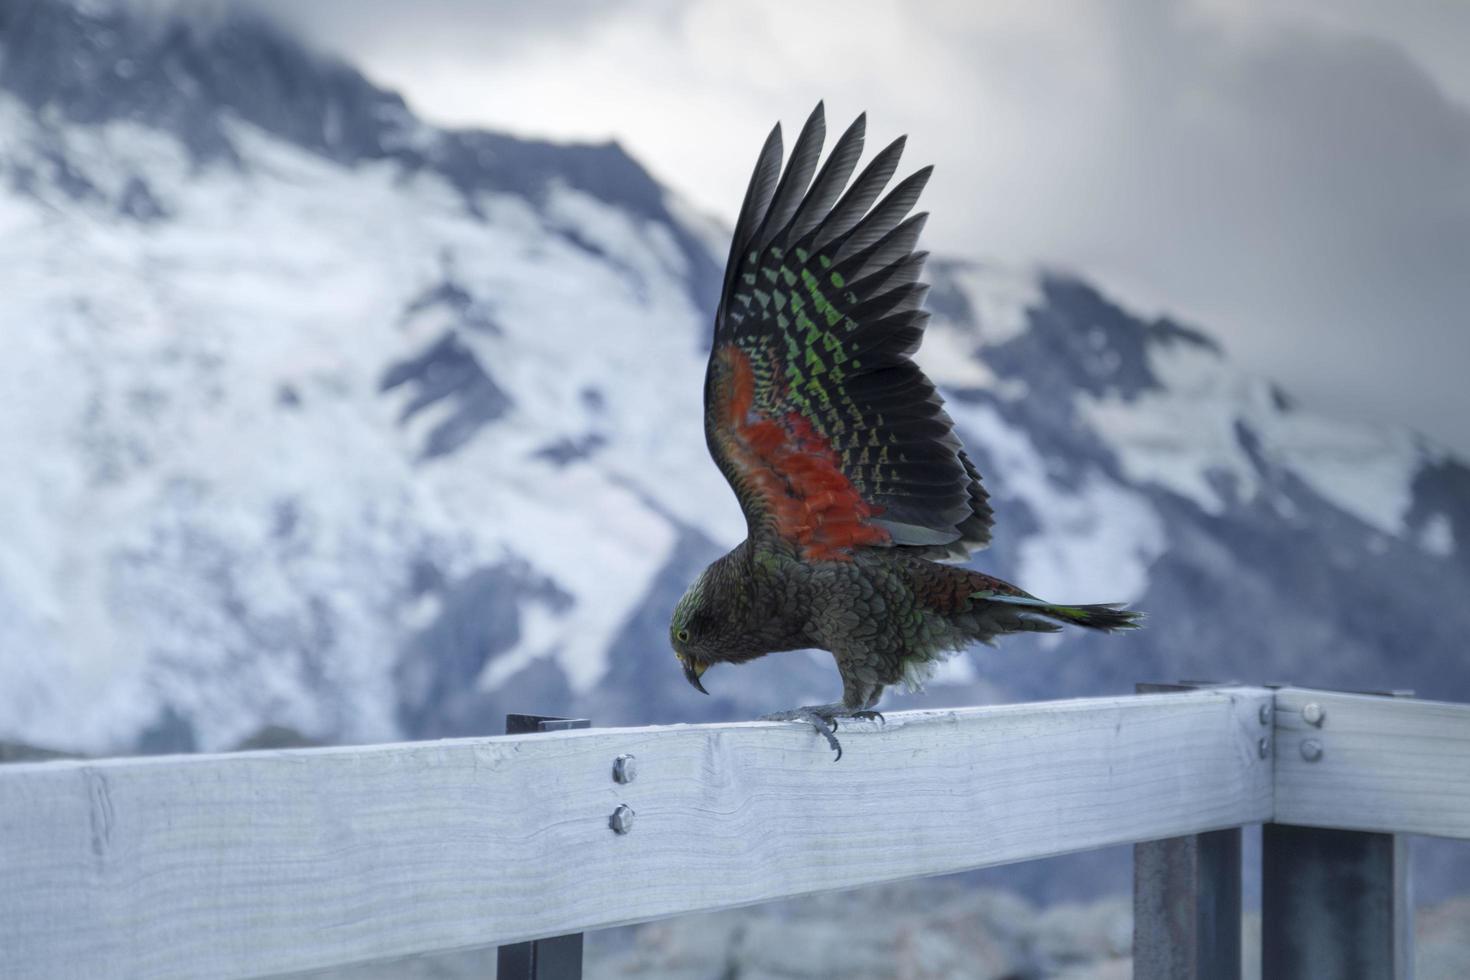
{"x":256,"y":863}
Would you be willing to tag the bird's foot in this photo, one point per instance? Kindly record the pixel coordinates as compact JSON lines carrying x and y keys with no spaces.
{"x":823,"y":717}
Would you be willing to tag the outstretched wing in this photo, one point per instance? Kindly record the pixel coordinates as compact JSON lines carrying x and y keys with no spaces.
{"x":832,"y":438}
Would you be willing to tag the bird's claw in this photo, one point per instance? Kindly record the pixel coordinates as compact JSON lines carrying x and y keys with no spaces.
{"x":824,"y":719}
{"x":825,"y":725}
{"x":827,"y":728}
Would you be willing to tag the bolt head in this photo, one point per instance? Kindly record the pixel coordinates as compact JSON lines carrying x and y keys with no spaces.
{"x":1265,"y":714}
{"x":621,"y":820}
{"x":1263,"y":747}
{"x":1311,"y":750}
{"x":1313,"y":714}
{"x":625,"y":768}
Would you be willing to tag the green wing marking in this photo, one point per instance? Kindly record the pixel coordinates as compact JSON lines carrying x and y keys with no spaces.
{"x":823,"y":295}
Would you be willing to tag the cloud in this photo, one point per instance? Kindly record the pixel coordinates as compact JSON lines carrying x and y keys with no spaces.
{"x":453,"y":29}
{"x":1306,"y":194}
{"x":1291,"y":175}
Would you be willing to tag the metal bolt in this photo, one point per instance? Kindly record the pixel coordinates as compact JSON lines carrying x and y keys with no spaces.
{"x":1264,"y":748}
{"x":1265,"y":714}
{"x":1313,"y":714}
{"x":625,"y":768}
{"x":1311,"y":750}
{"x":621,"y":820}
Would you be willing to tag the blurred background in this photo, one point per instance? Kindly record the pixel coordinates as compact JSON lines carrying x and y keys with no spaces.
{"x":354,"y":352}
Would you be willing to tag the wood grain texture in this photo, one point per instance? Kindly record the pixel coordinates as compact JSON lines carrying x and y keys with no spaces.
{"x":1396,"y":765}
{"x":266,"y":862}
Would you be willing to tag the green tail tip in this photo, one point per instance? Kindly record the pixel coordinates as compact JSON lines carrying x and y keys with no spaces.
{"x":1105,"y":616}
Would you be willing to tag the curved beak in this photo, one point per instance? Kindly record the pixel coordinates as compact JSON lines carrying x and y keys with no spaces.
{"x":693,"y":672}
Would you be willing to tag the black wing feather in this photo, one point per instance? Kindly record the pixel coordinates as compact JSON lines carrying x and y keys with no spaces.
{"x":821,"y":310}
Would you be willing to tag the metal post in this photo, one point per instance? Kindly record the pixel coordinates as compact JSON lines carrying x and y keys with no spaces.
{"x":1186,"y":901}
{"x":560,"y":957}
{"x":1334,"y":903}
{"x":1186,"y":907}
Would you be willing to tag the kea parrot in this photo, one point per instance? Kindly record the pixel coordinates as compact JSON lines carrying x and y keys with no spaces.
{"x":855,"y":489}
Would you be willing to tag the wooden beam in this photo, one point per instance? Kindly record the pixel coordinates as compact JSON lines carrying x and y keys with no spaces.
{"x":268,"y":862}
{"x":1361,"y":762}
{"x":556,"y":957}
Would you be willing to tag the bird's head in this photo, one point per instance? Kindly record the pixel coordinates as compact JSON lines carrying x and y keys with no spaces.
{"x":689,"y":633}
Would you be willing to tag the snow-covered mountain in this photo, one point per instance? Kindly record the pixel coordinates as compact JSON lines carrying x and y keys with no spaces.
{"x":315,"y":415}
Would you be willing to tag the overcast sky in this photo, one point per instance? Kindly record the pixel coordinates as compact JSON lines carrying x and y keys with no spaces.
{"x":1292,"y":175}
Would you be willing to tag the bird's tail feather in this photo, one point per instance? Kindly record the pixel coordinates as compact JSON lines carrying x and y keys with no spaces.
{"x":1108,"y":616}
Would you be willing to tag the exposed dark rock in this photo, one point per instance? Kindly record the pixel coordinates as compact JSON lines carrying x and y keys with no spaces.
{"x":449,"y":295}
{"x":449,"y":371}
{"x":137,"y":202}
{"x":566,"y":450}
{"x":170,"y":733}
{"x":480,"y":618}
{"x":277,"y":737}
{"x":21,"y":752}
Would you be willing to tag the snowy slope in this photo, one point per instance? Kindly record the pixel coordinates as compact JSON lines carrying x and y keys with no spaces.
{"x":317,"y":416}
{"x":230,"y":510}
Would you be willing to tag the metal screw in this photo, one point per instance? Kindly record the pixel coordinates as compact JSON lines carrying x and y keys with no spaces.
{"x":1311,"y":750}
{"x":621,"y":820}
{"x":1313,"y":714}
{"x":1265,"y":714}
{"x":625,"y":768}
{"x":1264,"y":748}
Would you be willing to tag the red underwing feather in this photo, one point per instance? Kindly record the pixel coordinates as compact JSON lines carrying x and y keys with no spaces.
{"x":793,"y":472}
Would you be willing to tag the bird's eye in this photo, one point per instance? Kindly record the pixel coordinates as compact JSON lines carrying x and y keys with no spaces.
{"x":682,"y":636}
